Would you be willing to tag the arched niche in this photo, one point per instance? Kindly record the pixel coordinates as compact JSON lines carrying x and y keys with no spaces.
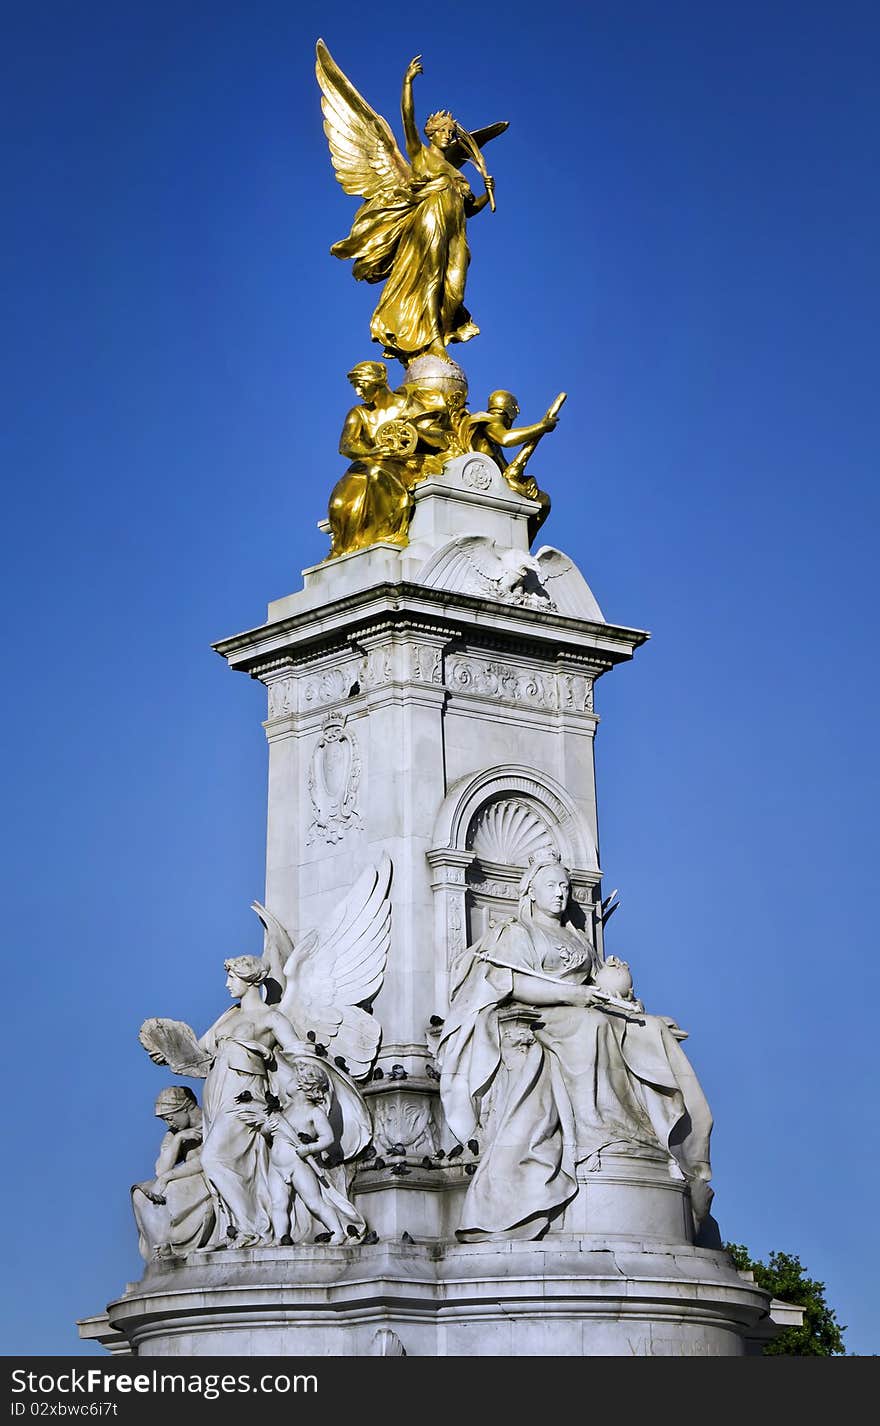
{"x":488,"y":826}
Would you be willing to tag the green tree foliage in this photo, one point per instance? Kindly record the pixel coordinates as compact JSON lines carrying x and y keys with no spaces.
{"x":784,"y":1276}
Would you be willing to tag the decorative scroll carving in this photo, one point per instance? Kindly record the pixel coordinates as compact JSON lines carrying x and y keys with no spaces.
{"x":334,"y":777}
{"x":501,"y":680}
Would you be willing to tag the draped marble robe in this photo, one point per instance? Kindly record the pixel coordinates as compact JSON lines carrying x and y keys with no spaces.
{"x":581,"y":1080}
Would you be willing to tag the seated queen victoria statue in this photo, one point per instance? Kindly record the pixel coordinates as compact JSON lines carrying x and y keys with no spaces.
{"x":548,"y":1057}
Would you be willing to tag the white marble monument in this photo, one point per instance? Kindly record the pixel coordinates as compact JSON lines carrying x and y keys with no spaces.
{"x":436,"y":1119}
{"x":508,"y":1153}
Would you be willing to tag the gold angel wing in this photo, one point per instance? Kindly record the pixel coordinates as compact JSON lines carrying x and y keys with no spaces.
{"x":362,"y":147}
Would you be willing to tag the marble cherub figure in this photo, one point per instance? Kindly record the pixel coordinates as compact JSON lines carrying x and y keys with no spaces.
{"x":299,"y":1133}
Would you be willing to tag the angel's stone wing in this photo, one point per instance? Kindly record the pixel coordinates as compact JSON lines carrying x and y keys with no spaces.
{"x":362,"y":147}
{"x":327,"y":988}
{"x":277,"y":950}
{"x":571,"y":593}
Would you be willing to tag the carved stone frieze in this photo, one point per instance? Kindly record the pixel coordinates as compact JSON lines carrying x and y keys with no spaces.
{"x":282,"y":698}
{"x":575,"y":692}
{"x":498,"y":680}
{"x":509,"y":890}
{"x":333,"y":781}
{"x":330,"y":685}
{"x":426,"y":664}
{"x":376,"y":668}
{"x":506,"y":890}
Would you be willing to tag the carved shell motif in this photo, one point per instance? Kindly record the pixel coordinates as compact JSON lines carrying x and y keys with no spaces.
{"x":509,"y":831}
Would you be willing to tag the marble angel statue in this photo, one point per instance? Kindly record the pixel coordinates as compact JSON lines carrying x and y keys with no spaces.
{"x":282,"y":1112}
{"x":411,"y":229}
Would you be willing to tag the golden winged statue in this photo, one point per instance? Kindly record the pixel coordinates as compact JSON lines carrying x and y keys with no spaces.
{"x":410,"y":232}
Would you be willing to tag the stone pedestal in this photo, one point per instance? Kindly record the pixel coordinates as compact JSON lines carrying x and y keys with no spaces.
{"x":435,"y":703}
{"x":586,"y":1296}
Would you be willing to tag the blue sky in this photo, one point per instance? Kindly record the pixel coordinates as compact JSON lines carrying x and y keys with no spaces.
{"x":686,"y":242}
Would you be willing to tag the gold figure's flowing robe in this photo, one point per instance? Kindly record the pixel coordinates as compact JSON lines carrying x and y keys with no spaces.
{"x":416,"y":242}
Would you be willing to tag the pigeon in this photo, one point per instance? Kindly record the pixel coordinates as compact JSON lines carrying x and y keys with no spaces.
{"x":397,"y":1151}
{"x":378,"y":1074}
{"x":474,"y":1146}
{"x":436,"y":1020}
{"x":406,"y":1238}
{"x":431,"y":1072}
{"x":398,"y":1072}
{"x":378,"y":1163}
{"x":455,"y":1151}
{"x":371,"y":1237}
